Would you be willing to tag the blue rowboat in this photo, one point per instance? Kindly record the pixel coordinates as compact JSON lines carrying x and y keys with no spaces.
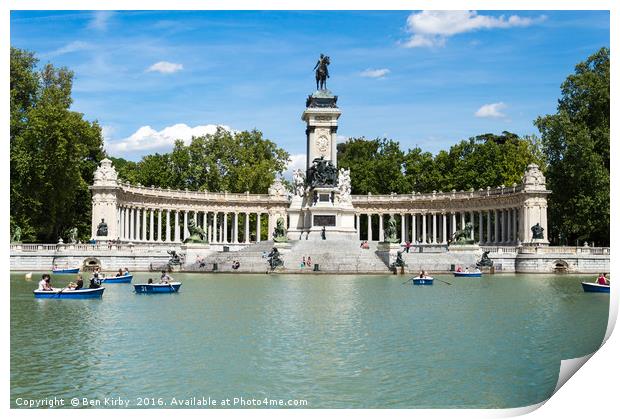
{"x":423,"y":281}
{"x":125,"y":279}
{"x":468,"y":274}
{"x":592,"y":287}
{"x":65,"y":271}
{"x":70,"y":294}
{"x":157,"y":288}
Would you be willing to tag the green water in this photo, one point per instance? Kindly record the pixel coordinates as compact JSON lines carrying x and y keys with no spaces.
{"x":334,"y":341}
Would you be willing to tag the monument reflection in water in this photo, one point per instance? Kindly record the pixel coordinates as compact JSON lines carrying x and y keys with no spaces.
{"x":335,"y":341}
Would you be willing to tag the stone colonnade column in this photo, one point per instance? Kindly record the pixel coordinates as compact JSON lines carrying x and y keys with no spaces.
{"x":177,"y":228}
{"x":258,"y":227}
{"x":247,"y":228}
{"x":424,"y":220}
{"x":444,"y":218}
{"x":381,"y":238}
{"x":235,"y":228}
{"x":434,"y":228}
{"x":480,"y":227}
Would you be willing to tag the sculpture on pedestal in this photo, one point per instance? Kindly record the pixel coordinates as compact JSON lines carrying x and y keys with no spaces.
{"x":73,"y":233}
{"x":463,"y":236}
{"x":390,"y":231}
{"x":322,"y":173}
{"x":322,"y":72}
{"x":538,"y":232}
{"x":299,"y":182}
{"x":485,"y":261}
{"x":102,"y":229}
{"x":17,"y":235}
{"x":399,"y":262}
{"x":344,"y":185}
{"x":274,"y":259}
{"x":196,"y":234}
{"x":279,"y":233}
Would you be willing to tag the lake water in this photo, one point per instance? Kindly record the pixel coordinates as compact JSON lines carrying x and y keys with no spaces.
{"x":335,"y":341}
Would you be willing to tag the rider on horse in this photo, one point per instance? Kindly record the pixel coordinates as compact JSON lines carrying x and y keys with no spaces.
{"x":322,"y":73}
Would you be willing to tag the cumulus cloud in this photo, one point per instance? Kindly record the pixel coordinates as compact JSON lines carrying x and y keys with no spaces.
{"x":491,"y":110}
{"x":147,"y":138}
{"x":297,"y":161}
{"x":100,"y":20}
{"x":431,"y":28}
{"x":165,"y":67}
{"x":378,"y":73}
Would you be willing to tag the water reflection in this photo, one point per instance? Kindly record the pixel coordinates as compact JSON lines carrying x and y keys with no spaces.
{"x":346,"y":341}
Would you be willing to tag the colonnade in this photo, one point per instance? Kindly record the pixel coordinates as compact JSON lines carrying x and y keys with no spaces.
{"x":490,"y":226}
{"x":164,"y":225}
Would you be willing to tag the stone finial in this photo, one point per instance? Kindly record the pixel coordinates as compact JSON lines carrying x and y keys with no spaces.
{"x":533,"y":179}
{"x":106,"y":174}
{"x":277,"y":188}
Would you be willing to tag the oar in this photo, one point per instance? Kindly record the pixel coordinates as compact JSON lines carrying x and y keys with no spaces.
{"x":60,"y":292}
{"x":445,"y":282}
{"x":410,"y":279}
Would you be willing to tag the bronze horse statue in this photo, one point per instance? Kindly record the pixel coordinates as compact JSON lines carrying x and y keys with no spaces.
{"x":322,"y":73}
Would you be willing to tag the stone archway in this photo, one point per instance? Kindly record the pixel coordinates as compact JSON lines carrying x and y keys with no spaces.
{"x":560,"y":266}
{"x":90,"y":263}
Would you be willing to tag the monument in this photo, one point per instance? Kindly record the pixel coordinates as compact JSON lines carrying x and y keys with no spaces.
{"x":321,"y":205}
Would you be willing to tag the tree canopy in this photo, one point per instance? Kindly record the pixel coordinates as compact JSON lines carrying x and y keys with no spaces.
{"x":576,"y":144}
{"x":380,"y":166}
{"x":54,"y":152}
{"x":223,"y":161}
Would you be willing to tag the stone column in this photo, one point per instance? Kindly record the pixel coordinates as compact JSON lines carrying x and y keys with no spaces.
{"x":444,"y":219}
{"x":402,"y":228}
{"x":196,"y":218}
{"x":177,"y":227}
{"x":414,"y":221}
{"x":454,"y":227}
{"x":185,"y":231}
{"x":258,"y":227}
{"x":144,"y":211}
{"x":167,"y":225}
{"x":151,"y":225}
{"x":515,"y":229}
{"x":158,"y":226}
{"x":496,"y":227}
{"x":424,"y":219}
{"x":247,"y":228}
{"x":369,"y":227}
{"x":225,"y":227}
{"x":434,"y":228}
{"x":480,"y":227}
{"x":236,"y":228}
{"x":214,"y":228}
{"x":503,"y":235}
{"x":381,"y":238}
{"x":509,"y":225}
{"x":121,"y":230}
{"x":131,"y":224}
{"x":488,"y":239}
{"x":136,"y":233}
{"x":471,"y":220}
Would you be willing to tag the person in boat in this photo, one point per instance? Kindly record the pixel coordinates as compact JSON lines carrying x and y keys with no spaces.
{"x":78,"y":284}
{"x":467,"y":269}
{"x":45,"y":283}
{"x":459,"y":269}
{"x":94,"y":283}
{"x":165,"y":278}
{"x":602,"y":280}
{"x":150,"y":281}
{"x":120,"y":273}
{"x":422,"y":274}
{"x":126,"y":271}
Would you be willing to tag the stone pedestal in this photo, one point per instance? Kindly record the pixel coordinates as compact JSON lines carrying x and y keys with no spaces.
{"x":387,"y":252}
{"x":537,"y":243}
{"x":195,"y":252}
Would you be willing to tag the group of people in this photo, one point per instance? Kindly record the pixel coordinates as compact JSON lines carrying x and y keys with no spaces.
{"x":459,"y":269}
{"x":364,"y":245}
{"x":163,"y":279}
{"x":602,"y":279}
{"x":45,"y":284}
{"x":423,"y":274}
{"x":305,"y":262}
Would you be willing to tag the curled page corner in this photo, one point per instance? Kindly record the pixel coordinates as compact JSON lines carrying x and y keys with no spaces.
{"x":568,"y":367}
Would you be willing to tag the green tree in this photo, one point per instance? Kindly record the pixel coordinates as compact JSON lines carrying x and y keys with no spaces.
{"x":576,"y":144}
{"x":376,"y":165}
{"x":223,"y":161}
{"x":54,"y":152}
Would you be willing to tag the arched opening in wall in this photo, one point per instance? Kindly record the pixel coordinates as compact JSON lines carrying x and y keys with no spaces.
{"x":90,"y":264}
{"x":560,"y":266}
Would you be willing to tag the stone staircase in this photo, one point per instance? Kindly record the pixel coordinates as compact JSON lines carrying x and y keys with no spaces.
{"x":342,"y":256}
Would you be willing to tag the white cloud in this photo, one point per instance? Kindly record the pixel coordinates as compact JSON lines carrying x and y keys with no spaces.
{"x":298,"y":161}
{"x":165,"y":67}
{"x":70,"y":47}
{"x":431,"y":28}
{"x":100,"y":20}
{"x":491,"y":110}
{"x":146,"y":138}
{"x":375,"y":73}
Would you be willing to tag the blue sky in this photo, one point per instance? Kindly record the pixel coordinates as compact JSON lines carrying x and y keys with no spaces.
{"x":426,"y":79}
